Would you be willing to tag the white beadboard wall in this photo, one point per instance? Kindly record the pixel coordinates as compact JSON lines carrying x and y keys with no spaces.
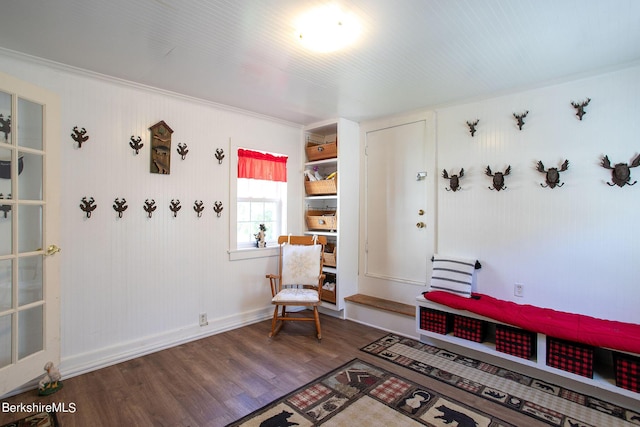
{"x":133,"y":285}
{"x":575,"y":248}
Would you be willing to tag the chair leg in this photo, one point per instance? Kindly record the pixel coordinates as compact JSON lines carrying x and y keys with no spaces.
{"x":316,"y":315}
{"x":274,"y":323}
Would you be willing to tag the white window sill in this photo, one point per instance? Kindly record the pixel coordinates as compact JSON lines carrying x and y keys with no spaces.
{"x":250,"y":253}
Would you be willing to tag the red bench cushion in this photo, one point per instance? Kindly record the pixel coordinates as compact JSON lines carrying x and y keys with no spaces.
{"x":569,"y":326}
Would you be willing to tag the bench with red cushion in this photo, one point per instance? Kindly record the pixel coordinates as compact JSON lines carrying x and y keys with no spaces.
{"x":610,"y":334}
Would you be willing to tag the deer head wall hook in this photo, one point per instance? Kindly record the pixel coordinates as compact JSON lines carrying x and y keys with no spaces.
{"x":150,"y":206}
{"x":217,"y":207}
{"x":454,"y":180}
{"x":88,"y":206}
{"x":174,"y":206}
{"x":219,"y":155}
{"x":136,"y":143}
{"x":579,"y":106}
{"x":79,"y":136}
{"x":520,"y":118}
{"x":5,"y":209}
{"x":620,"y":173}
{"x":472,"y":127}
{"x":198,"y":206}
{"x":498,"y":178}
{"x":553,"y":174}
{"x":182,"y":150}
{"x":120,"y":206}
{"x":5,"y":126}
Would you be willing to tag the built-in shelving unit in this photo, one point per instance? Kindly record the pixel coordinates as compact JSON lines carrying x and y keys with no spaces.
{"x":603,"y":376}
{"x":335,"y":214}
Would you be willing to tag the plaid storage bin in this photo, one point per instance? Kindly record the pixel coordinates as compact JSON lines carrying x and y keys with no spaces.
{"x":570,"y":356}
{"x":435,"y":321}
{"x":515,"y":341}
{"x":627,"y":368}
{"x":469,"y":328}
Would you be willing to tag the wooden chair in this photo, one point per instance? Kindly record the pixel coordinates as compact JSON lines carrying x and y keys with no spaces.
{"x":299,"y":280}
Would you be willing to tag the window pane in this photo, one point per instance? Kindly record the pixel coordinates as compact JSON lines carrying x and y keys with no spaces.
{"x":6,"y":288}
{"x":244,"y":211}
{"x":29,"y":279}
{"x":30,"y":331}
{"x":30,"y":134}
{"x":5,"y":340}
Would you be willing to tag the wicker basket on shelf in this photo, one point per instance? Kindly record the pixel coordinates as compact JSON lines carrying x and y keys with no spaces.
{"x":318,"y":219}
{"x":321,"y":187}
{"x":321,"y":151}
{"x":329,"y":255}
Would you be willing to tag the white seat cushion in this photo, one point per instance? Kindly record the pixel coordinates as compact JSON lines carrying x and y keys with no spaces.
{"x":296,"y":295}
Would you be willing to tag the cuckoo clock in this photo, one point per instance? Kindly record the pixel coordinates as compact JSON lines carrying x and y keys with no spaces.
{"x":160,"y":148}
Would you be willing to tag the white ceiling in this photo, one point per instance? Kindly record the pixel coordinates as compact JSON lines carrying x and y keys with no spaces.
{"x":412,"y":54}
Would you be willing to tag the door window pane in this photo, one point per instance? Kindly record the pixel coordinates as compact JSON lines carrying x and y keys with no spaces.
{"x":29,"y":279}
{"x":30,"y":179}
{"x":29,"y":228}
{"x":30,"y":130}
{"x":5,"y":340}
{"x":6,"y":277}
{"x":30,"y":331}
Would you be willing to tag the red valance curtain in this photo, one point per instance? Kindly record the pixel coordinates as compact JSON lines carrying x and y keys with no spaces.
{"x":259,"y":165}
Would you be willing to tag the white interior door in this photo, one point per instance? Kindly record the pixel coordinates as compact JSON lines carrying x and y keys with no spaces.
{"x":396,"y":204}
{"x":29,"y":230}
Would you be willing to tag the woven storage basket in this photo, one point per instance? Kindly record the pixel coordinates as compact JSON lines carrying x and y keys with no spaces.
{"x":329,"y":255}
{"x":322,"y":220}
{"x":322,"y":151}
{"x":321,"y":187}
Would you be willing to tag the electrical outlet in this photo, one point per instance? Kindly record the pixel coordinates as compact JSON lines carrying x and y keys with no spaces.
{"x":203,"y":319}
{"x":518,"y":290}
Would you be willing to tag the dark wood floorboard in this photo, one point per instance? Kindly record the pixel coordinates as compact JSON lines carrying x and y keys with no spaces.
{"x":216,"y":380}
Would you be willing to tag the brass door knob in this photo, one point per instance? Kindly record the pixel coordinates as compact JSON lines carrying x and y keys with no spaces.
{"x":52,"y":249}
{"x":421,"y":225}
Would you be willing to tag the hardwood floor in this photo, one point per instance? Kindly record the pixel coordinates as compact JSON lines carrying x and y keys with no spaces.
{"x":216,"y":380}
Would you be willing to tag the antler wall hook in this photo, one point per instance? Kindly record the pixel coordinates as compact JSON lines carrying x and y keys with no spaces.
{"x":454,"y":180}
{"x":5,"y":209}
{"x":174,"y":206}
{"x":620,"y":173}
{"x":498,"y":178}
{"x":5,"y":126}
{"x":472,"y":126}
{"x":217,"y":206}
{"x":579,"y":106}
{"x":182,"y":150}
{"x":120,"y":206}
{"x":136,"y":143}
{"x":149,"y":206}
{"x":520,"y":118}
{"x":79,"y":136}
{"x":553,"y":174}
{"x":88,"y":206}
{"x":219,"y":155}
{"x":198,"y":206}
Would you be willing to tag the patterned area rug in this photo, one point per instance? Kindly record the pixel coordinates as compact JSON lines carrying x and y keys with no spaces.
{"x":361,"y":394}
{"x":43,"y":419}
{"x":550,"y":403}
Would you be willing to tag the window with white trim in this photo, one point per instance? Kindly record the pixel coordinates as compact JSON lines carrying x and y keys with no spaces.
{"x":259,"y":200}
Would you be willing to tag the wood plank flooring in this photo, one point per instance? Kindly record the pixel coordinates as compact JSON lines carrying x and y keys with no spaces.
{"x":216,"y":380}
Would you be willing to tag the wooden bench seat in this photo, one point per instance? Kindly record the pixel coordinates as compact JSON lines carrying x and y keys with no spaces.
{"x":383,"y":304}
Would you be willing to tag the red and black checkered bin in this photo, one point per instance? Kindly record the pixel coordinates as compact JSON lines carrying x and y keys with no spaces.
{"x":570,"y":356}
{"x":627,"y":369}
{"x":515,"y":341}
{"x":436,"y":321}
{"x":469,"y":328}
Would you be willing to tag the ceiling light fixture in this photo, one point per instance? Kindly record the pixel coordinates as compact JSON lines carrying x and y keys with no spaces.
{"x":327,"y":29}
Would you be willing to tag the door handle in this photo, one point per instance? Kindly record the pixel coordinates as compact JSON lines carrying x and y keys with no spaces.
{"x":421,"y":225}
{"x":52,"y":250}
